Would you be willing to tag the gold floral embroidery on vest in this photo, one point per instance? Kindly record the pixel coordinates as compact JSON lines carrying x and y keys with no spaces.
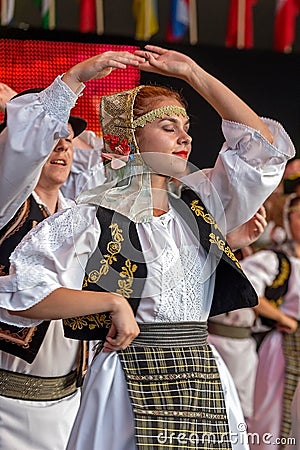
{"x":226,"y":249}
{"x":125,"y":285}
{"x":92,"y":321}
{"x":113,"y":249}
{"x":200,"y":212}
{"x":214,"y":239}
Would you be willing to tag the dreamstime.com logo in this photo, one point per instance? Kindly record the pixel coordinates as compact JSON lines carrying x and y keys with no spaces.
{"x":241,"y":436}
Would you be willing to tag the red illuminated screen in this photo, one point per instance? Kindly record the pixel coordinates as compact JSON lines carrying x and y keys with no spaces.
{"x":27,"y":64}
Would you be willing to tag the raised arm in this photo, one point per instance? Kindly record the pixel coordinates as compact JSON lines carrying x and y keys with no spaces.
{"x":220,"y":97}
{"x":34,"y":123}
{"x":99,"y":66}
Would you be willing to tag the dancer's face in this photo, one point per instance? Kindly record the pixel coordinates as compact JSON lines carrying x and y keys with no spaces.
{"x":165,"y":143}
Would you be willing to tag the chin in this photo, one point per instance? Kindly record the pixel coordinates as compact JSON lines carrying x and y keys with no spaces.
{"x":167,"y":165}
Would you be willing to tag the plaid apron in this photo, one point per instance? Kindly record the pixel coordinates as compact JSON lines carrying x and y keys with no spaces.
{"x":175,"y":388}
{"x":291,"y":350}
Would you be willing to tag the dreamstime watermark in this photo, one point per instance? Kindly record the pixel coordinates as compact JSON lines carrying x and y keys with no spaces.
{"x":241,"y":436}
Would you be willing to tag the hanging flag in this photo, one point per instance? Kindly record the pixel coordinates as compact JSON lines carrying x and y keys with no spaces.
{"x":47,"y":8}
{"x":239,"y":31}
{"x":7,"y":11}
{"x":91,"y":16}
{"x":87,"y":16}
{"x":285,"y":24}
{"x":146,"y":18}
{"x":178,"y":21}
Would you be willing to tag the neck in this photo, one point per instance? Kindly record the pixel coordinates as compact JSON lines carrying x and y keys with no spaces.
{"x":49,"y":197}
{"x":160,"y":199}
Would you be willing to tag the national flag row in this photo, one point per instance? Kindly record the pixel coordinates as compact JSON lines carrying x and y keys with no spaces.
{"x":182,"y":20}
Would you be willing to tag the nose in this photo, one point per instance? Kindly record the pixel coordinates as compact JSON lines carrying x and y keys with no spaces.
{"x":185,"y":138}
{"x":62,"y":146}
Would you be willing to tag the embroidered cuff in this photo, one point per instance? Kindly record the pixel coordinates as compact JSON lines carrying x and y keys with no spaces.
{"x":59,"y":99}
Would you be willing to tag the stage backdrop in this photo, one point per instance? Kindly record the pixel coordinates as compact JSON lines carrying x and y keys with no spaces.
{"x":29,"y":63}
{"x":268,"y":81}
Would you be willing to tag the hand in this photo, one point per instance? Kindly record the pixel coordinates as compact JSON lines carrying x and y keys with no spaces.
{"x":249,"y":232}
{"x":99,"y":66}
{"x":124,"y":327}
{"x":286,"y":324}
{"x":6,"y":93}
{"x":165,"y":62}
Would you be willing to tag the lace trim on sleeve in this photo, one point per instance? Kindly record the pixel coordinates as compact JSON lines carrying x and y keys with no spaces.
{"x":58,"y":99}
{"x":37,"y":249}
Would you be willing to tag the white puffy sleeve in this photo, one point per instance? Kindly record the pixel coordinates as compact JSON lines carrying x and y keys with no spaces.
{"x":247,"y":171}
{"x":52,"y":255}
{"x":34,"y":124}
{"x":261,"y":269}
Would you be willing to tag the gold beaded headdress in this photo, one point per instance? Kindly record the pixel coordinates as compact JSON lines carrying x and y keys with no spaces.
{"x":118,"y":123}
{"x":127,"y":189}
{"x":116,"y":117}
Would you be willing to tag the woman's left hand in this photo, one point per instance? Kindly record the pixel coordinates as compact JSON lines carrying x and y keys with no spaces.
{"x":249,"y":232}
{"x":165,"y":62}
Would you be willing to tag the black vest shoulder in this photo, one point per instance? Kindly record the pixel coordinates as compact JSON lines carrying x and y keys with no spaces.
{"x":28,"y":215}
{"x":232,"y":290}
{"x":278,"y":288}
{"x":21,"y":342}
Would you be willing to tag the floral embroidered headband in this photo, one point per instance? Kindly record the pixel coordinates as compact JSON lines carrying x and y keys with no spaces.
{"x":118,"y":125}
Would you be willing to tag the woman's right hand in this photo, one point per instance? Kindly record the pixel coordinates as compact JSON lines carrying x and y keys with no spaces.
{"x":99,"y":66}
{"x":124,"y":327}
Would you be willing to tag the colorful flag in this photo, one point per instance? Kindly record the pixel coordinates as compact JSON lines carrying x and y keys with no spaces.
{"x":178,"y":21}
{"x":239,"y":31}
{"x":285,"y":24}
{"x":146,"y":18}
{"x":47,"y":8}
{"x":87,"y":16}
{"x":7,"y":11}
{"x":91,"y":16}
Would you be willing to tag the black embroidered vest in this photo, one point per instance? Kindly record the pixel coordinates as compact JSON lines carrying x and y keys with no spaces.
{"x":21,"y":342}
{"x":276,"y":291}
{"x":118,"y":266}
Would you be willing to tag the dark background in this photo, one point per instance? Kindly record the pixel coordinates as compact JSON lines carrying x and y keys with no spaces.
{"x":119,"y":21}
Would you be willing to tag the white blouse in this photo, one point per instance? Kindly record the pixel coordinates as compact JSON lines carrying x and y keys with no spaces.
{"x":55,"y":253}
{"x":262,"y":268}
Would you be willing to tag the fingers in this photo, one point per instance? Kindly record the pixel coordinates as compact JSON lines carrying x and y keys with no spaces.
{"x":156,"y":49}
{"x":124,"y":58}
{"x":260,"y":224}
{"x":120,"y":340}
{"x":260,"y":220}
{"x":118,"y":343}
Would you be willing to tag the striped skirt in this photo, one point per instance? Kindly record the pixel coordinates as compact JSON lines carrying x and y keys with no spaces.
{"x":175,"y":388}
